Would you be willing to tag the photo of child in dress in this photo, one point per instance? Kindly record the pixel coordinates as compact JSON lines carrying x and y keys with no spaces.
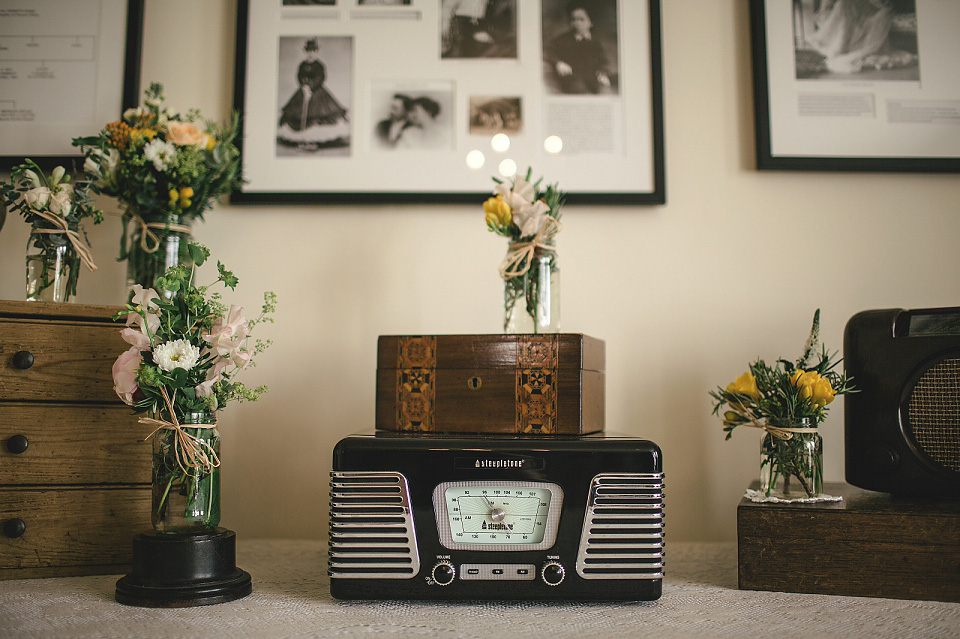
{"x":580,"y":51}
{"x":314,"y":114}
{"x":413,"y":117}
{"x":875,"y":39}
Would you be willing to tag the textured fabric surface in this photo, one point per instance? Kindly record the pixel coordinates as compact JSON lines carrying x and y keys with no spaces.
{"x":291,"y":598}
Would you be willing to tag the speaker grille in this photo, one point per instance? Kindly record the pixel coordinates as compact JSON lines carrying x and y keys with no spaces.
{"x":934,"y":413}
{"x":622,"y":534}
{"x":371,"y":527}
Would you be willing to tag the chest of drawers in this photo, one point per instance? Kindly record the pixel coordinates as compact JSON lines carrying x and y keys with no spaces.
{"x":74,"y":471}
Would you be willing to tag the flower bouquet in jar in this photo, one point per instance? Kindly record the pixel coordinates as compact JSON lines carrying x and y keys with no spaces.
{"x":166,"y":169}
{"x":530,"y":219}
{"x":787,"y":400}
{"x":180,"y":370}
{"x":54,"y":207}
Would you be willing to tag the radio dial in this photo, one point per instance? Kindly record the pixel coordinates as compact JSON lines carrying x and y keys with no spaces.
{"x":443,"y":573}
{"x":553,"y":573}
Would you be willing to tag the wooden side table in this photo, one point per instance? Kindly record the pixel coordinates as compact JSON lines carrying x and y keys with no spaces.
{"x":74,"y":471}
{"x":868,"y":545}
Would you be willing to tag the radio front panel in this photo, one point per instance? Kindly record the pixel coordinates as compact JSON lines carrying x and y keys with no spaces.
{"x":452,"y":517}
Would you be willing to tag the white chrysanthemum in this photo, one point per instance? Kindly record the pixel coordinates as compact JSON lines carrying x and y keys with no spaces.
{"x":176,"y":354}
{"x":159,"y":152}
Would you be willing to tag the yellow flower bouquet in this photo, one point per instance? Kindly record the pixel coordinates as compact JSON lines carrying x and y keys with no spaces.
{"x":787,"y":401}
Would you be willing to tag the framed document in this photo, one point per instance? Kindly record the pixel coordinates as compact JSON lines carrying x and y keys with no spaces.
{"x":68,"y":68}
{"x":425,"y":100}
{"x":857,"y":85}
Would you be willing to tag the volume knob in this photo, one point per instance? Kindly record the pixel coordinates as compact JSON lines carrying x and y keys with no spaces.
{"x":443,"y":573}
{"x":553,"y":573}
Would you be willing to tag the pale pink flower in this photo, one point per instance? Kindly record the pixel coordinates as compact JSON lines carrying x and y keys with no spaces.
{"x":37,"y":198}
{"x":136,"y":338}
{"x":61,"y":201}
{"x":530,"y":217}
{"x":144,"y":297}
{"x":125,"y":374}
{"x":205,"y":389}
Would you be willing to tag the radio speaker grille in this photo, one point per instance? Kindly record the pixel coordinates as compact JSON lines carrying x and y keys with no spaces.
{"x":934,"y":413}
{"x":622,"y":534}
{"x":371,"y":527}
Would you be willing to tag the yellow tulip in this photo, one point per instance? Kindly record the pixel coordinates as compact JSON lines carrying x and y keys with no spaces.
{"x":499,"y":208}
{"x":822,"y":393}
{"x":185,"y":194}
{"x":174,"y":195}
{"x":746,"y":384}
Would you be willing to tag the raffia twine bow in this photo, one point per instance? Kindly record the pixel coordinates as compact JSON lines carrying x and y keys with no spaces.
{"x":83,"y":251}
{"x":520,"y":255}
{"x":150,"y":241}
{"x":779,"y":432}
{"x":190,"y":451}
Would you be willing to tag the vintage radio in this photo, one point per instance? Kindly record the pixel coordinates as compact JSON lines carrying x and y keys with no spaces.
{"x":437,"y":516}
{"x":550,"y":384}
{"x":903,"y":427}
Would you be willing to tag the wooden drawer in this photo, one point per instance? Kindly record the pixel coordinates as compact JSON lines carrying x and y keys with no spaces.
{"x":73,"y":444}
{"x":72,"y":361}
{"x":76,"y":530}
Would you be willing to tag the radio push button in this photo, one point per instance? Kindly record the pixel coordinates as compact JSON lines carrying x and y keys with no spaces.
{"x":553,"y":573}
{"x":443,"y":573}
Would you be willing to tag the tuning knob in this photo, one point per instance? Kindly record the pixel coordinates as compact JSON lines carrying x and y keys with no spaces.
{"x":553,"y":573}
{"x":443,"y":573}
{"x":22,"y":360}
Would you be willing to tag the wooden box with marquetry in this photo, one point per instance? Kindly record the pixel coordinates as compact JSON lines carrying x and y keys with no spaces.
{"x":549,"y":384}
{"x":74,"y":470}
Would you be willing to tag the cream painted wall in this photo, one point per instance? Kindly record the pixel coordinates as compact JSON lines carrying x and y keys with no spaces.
{"x":685,"y":294}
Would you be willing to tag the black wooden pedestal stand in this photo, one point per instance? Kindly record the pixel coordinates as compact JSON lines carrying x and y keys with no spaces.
{"x":181,"y":570}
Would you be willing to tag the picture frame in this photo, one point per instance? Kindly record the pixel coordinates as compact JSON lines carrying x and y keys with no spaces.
{"x":60,"y":86}
{"x":882,"y":95}
{"x":419,"y":104}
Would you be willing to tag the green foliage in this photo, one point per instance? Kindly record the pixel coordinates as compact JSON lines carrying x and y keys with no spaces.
{"x":183,"y":310}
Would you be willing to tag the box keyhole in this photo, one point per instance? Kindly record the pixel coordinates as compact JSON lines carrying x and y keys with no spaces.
{"x":474,"y":383}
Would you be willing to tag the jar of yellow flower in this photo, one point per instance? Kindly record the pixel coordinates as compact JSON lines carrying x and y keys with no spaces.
{"x":787,"y":400}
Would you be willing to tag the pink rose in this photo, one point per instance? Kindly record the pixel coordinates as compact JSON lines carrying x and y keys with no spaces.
{"x":184,"y":133}
{"x":125,"y":375}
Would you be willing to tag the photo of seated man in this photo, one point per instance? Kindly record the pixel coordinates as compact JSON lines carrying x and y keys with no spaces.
{"x":580,"y":46}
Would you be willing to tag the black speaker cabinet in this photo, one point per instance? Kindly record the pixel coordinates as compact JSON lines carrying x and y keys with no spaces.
{"x":903,"y":427}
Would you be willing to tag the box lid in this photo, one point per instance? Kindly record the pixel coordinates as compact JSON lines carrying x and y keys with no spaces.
{"x":551,"y":350}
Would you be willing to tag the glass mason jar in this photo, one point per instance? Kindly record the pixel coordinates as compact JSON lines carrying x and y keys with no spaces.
{"x":186,"y":499}
{"x":532,"y":301}
{"x":149,"y":257}
{"x":792,"y":468}
{"x":52,"y":268}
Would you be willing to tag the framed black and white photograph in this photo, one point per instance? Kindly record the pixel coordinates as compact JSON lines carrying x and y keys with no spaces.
{"x":68,"y":69}
{"x":857,"y":85}
{"x":427,"y":100}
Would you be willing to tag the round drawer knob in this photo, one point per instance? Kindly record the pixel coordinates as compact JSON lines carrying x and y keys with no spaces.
{"x":23,"y":360}
{"x":17,"y":444}
{"x":13,"y":528}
